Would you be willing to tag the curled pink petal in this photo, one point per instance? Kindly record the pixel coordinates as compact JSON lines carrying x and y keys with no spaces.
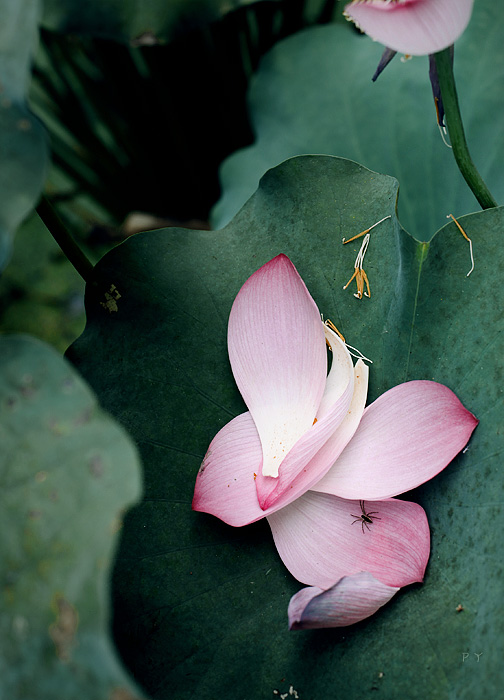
{"x":351,"y":599}
{"x":303,"y":459}
{"x":415,"y":27}
{"x":323,"y":460}
{"x":319,"y":542}
{"x":226,"y":482}
{"x":278,"y":357}
{"x":340,"y":374}
{"x":405,"y":437}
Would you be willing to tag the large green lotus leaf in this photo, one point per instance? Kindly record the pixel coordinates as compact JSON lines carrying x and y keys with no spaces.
{"x":23,"y":146}
{"x":130,"y":19}
{"x":67,"y":472}
{"x":313,"y":94}
{"x":201,"y":607}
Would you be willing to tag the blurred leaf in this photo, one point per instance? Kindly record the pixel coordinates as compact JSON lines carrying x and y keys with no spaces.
{"x":67,"y":472}
{"x":146,"y":22}
{"x":23,"y":147}
{"x":40,"y":291}
{"x":313,"y":94}
{"x":200,"y":607}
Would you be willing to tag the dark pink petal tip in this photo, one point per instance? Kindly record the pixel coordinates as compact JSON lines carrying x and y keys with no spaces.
{"x":350,"y":600}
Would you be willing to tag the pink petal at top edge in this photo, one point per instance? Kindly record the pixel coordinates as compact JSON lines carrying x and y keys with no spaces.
{"x":350,"y":600}
{"x":278,"y":356}
{"x":319,"y":542}
{"x":301,"y":461}
{"x":416,"y":27}
{"x":405,"y":437}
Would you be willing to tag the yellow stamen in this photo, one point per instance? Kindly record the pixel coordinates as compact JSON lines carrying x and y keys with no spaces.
{"x":352,"y":277}
{"x":363,"y":233}
{"x":353,"y":351}
{"x":450,"y":216}
{"x":331,"y":325}
{"x":359,"y":274}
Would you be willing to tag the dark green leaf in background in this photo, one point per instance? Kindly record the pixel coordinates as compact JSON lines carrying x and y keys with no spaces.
{"x":23,"y":147}
{"x":200,"y":607}
{"x":40,"y":292}
{"x":313,"y":94}
{"x":67,"y":472}
{"x":129,"y":19}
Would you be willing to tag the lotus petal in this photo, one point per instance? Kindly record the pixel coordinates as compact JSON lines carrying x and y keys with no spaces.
{"x":351,"y":599}
{"x":320,"y":539}
{"x":405,"y":437}
{"x":415,"y":27}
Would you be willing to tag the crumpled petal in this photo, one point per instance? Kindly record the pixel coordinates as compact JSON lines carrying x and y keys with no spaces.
{"x":351,"y":599}
{"x":415,"y":27}
{"x":319,"y":542}
{"x":278,"y":357}
{"x":405,"y":437}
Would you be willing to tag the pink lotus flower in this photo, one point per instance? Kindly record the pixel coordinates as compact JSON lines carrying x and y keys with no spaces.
{"x":415,"y":27}
{"x":319,"y":465}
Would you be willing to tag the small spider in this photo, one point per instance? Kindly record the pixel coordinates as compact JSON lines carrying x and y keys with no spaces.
{"x":365,"y":518}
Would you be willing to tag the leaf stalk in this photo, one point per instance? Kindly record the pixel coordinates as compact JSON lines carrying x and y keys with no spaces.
{"x":456,"y":130}
{"x":64,"y":239}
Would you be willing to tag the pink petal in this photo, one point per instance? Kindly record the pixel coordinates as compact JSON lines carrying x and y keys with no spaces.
{"x":226,"y":482}
{"x":278,"y":357}
{"x":323,"y":460}
{"x":319,"y":542}
{"x":407,"y":436}
{"x":414,"y":27}
{"x":351,"y":599}
{"x":227,"y":479}
{"x":304,"y":462}
{"x":225,"y":485}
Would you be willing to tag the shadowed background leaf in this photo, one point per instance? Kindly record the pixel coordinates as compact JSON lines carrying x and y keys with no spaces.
{"x":313,"y":94}
{"x":125,"y":20}
{"x":23,"y":146}
{"x":67,"y":472}
{"x":200,"y":607}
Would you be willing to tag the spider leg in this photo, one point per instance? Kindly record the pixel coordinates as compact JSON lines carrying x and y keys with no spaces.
{"x":365,"y":523}
{"x":355,"y":521}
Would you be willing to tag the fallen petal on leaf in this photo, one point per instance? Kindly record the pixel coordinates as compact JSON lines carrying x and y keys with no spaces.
{"x":405,"y":437}
{"x":351,"y":599}
{"x":321,"y":538}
